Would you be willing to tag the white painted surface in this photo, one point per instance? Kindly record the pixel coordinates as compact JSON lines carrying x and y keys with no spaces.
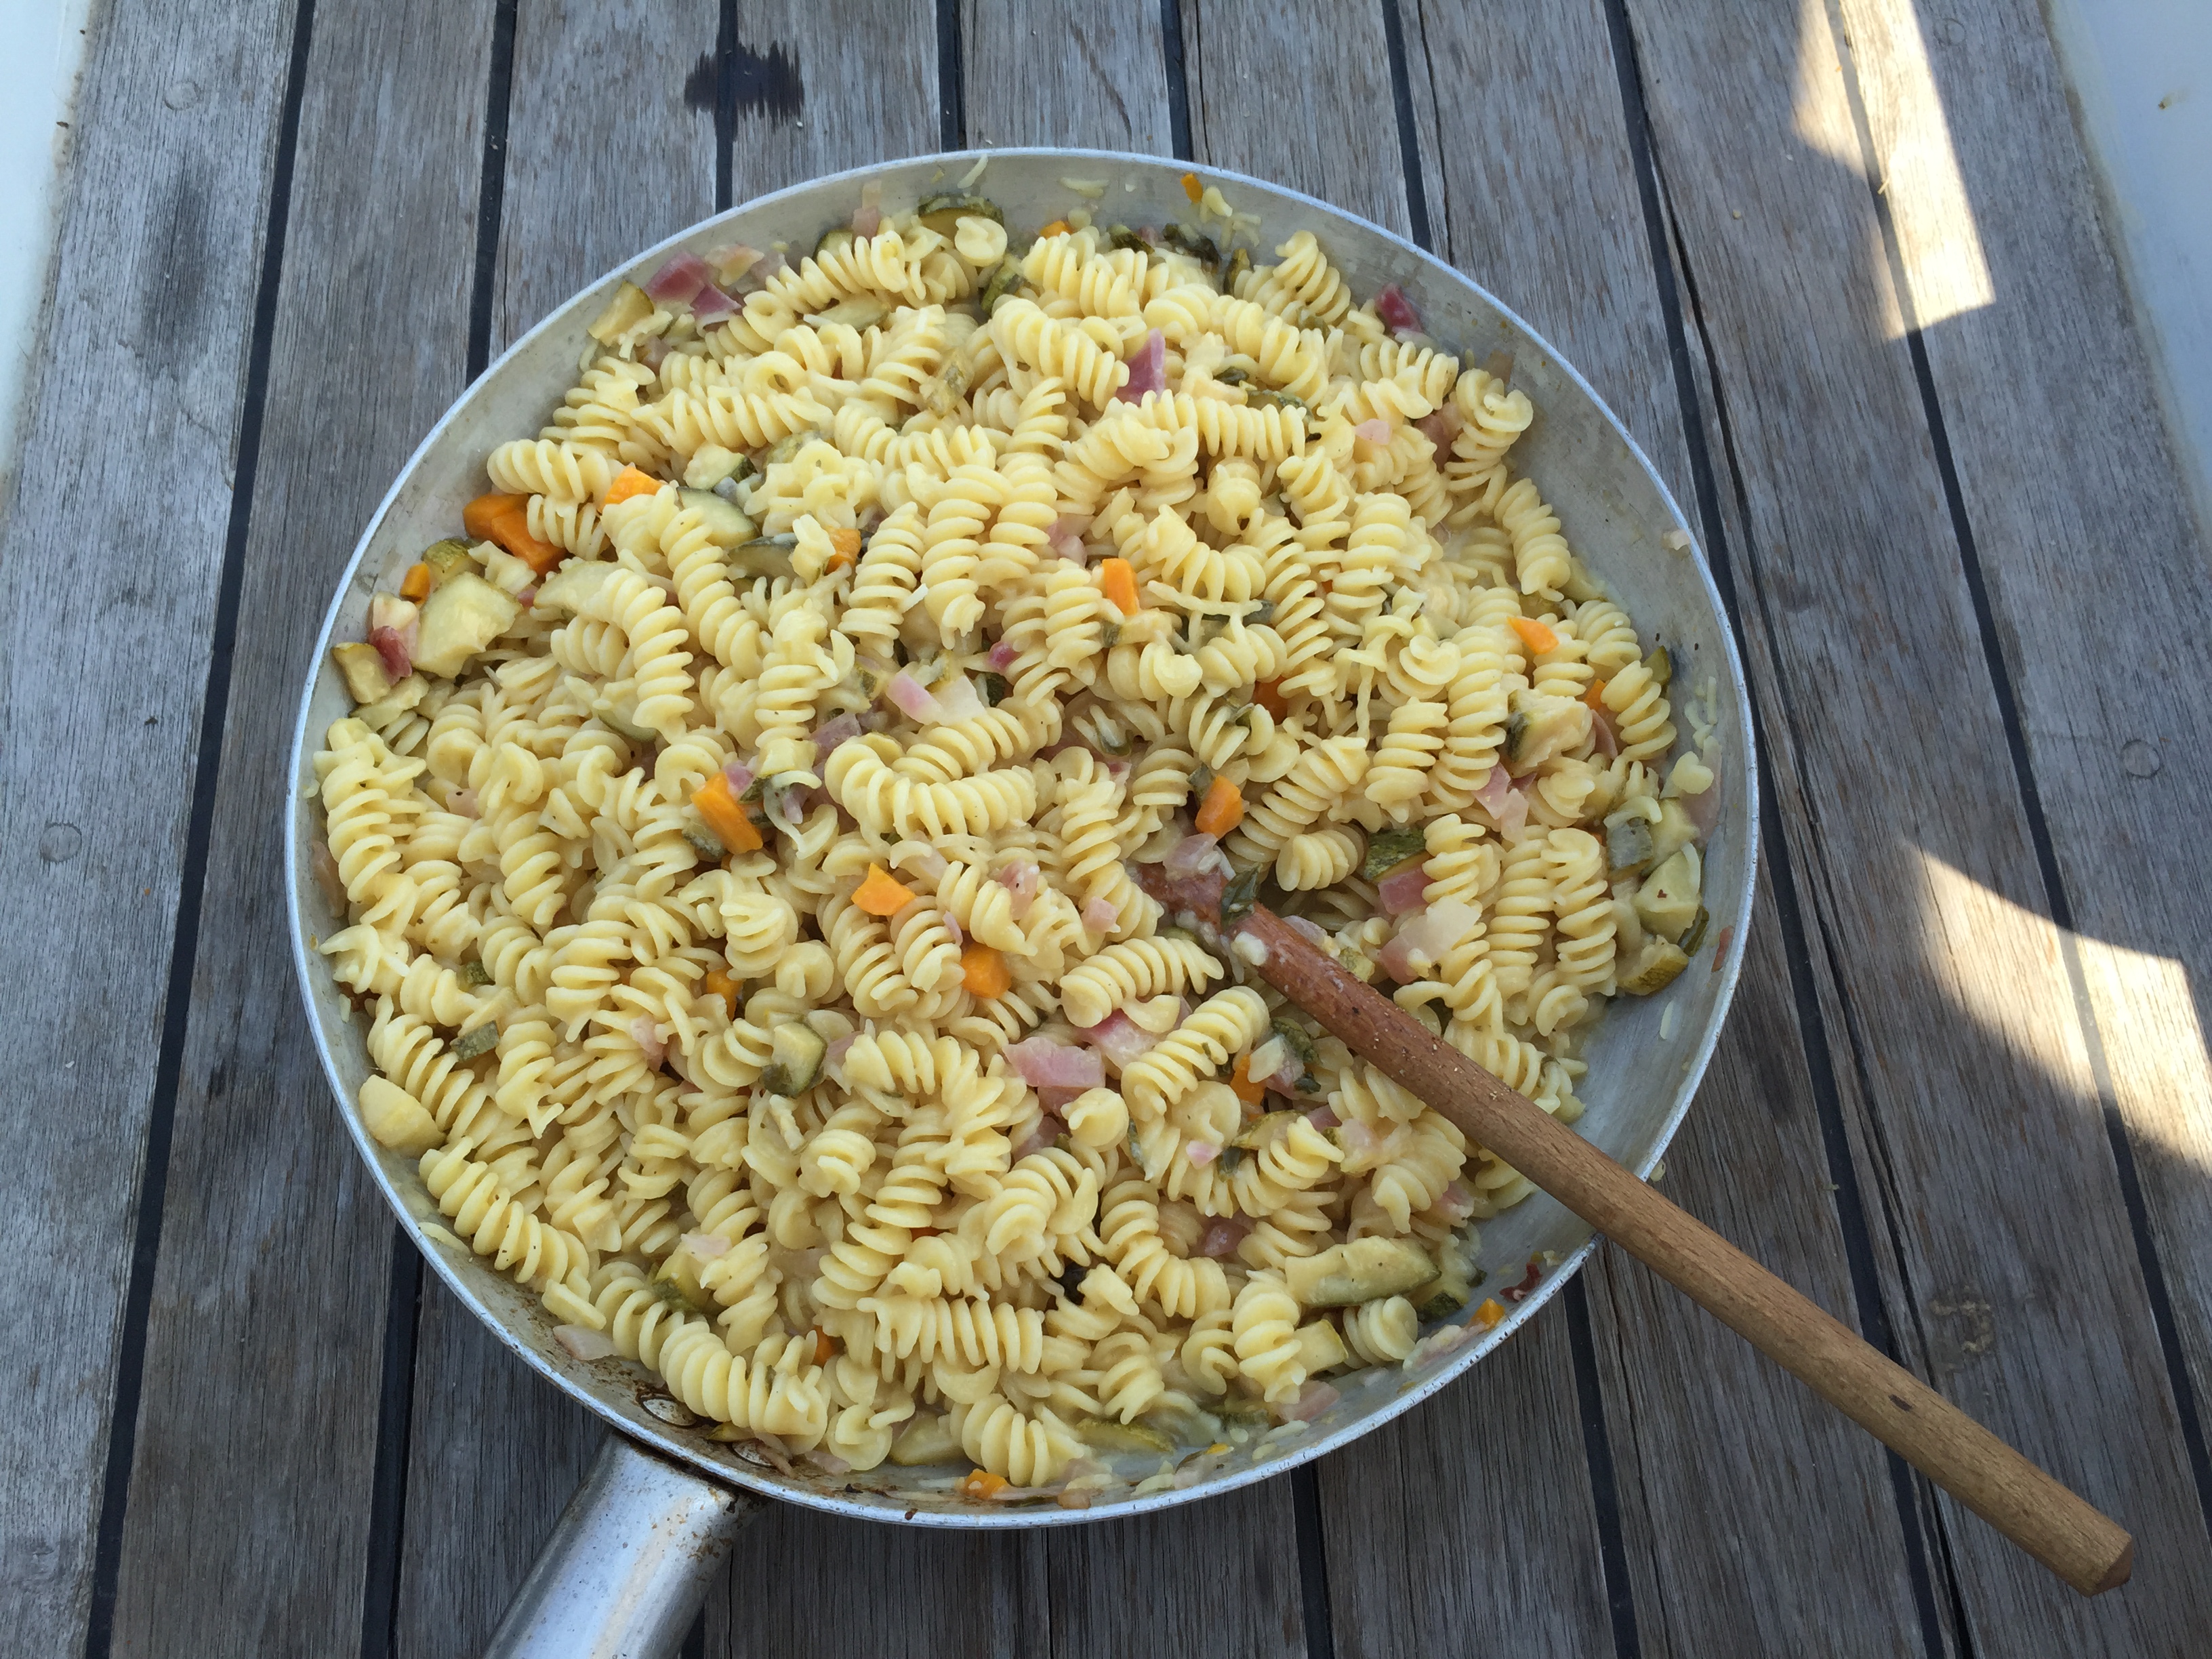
{"x":45,"y":40}
{"x":2142,"y":72}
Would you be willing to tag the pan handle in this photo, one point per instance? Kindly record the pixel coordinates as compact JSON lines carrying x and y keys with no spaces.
{"x":628,"y":1566}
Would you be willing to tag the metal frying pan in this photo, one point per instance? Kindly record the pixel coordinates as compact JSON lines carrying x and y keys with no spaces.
{"x":627,"y":1567}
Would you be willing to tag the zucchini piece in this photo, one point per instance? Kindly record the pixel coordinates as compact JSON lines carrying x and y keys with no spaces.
{"x":622,"y":717}
{"x":859,"y":312}
{"x":1667,"y":903}
{"x":458,"y":620}
{"x":797,"y":1063}
{"x":1267,"y":397}
{"x":366,"y":678}
{"x":788,"y":446}
{"x":1673,"y":832}
{"x":573,"y":586}
{"x":1240,"y":261}
{"x":631,"y":305}
{"x":446,"y":559}
{"x":1196,"y":243}
{"x":1696,"y":937}
{"x":1517,"y":734}
{"x":992,"y":686}
{"x":928,"y":1440}
{"x":1388,"y":849}
{"x":1232,"y":375}
{"x":1121,"y":236}
{"x":1321,"y":1347}
{"x":1540,"y":727}
{"x":711,"y":464}
{"x":1263,"y":1128}
{"x":1662,"y":666}
{"x":1240,"y":895}
{"x":763,"y":555}
{"x":1653,"y":968}
{"x":943,"y":211}
{"x":1104,"y":1434}
{"x":1005,"y":276}
{"x":1454,"y":1284}
{"x":836,"y":240}
{"x":396,"y":1118}
{"x":1628,"y":846}
{"x":728,"y":526}
{"x":705,"y":843}
{"x":678,"y":1288}
{"x":476,"y":1040}
{"x":1344,"y":1275}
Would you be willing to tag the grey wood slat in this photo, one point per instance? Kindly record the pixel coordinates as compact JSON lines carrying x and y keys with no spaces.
{"x":819,"y":91}
{"x":256,"y":1440}
{"x":105,"y":654}
{"x":605,"y":155}
{"x":1533,"y":1504}
{"x":1219,"y":1577}
{"x":2083,"y":528}
{"x":1981,"y":1144}
{"x":1066,"y":72}
{"x":1538,"y":201}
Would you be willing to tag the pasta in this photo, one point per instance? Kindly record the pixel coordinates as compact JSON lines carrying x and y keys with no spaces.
{"x":753,"y":874}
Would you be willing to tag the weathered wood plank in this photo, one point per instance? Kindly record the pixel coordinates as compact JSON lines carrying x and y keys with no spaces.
{"x":1979,"y":1128}
{"x":1219,"y":1577}
{"x":1065,"y":72}
{"x":2052,"y":413}
{"x":1258,"y":106}
{"x":254,"y":1465}
{"x":606,"y":154}
{"x":151,"y":310}
{"x":1538,"y":201}
{"x":818,"y":92}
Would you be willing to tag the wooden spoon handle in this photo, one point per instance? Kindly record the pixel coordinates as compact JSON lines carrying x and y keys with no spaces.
{"x":2082,"y":1546}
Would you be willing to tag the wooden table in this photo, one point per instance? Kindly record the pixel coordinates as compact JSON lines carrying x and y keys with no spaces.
{"x":1840,"y":267}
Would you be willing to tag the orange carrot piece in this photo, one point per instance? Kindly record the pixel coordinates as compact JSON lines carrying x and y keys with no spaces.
{"x":1057,"y":228}
{"x":981,"y":1485}
{"x":1222,"y":810}
{"x":1489,"y":1313}
{"x":630,"y":481}
{"x":1247,"y":1087}
{"x":1268,"y":694}
{"x":1118,"y":582}
{"x":505,"y":519}
{"x":416,"y":584}
{"x":1191,"y":187}
{"x":881,"y":894}
{"x":726,"y":815}
{"x":1533,"y":634}
{"x":845,"y":547}
{"x":1595,"y":695}
{"x":825,"y":1347}
{"x":720,"y":984}
{"x":983,"y":970}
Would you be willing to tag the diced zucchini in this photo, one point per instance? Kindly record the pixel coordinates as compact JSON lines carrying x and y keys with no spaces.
{"x":710,"y":463}
{"x":458,"y":620}
{"x":797,"y":1054}
{"x":396,"y":702}
{"x":1263,"y":1128}
{"x":1662,"y":666}
{"x":1241,"y":893}
{"x":396,"y":1118}
{"x":1268,"y":398}
{"x":1628,"y":845}
{"x":1196,"y":243}
{"x":1541,"y":726}
{"x":1667,"y":903}
{"x":476,"y":1040}
{"x":705,"y":843}
{"x":928,"y":1440}
{"x":1346,"y":1274}
{"x":446,"y":559}
{"x":1126,"y":240}
{"x":728,"y":526}
{"x":1321,"y":1347}
{"x":1005,"y":276}
{"x":763,"y":555}
{"x":1388,"y":849}
{"x":836,"y":240}
{"x":475,"y":973}
{"x":573,"y":586}
{"x":788,"y":446}
{"x":676,"y":1278}
{"x":1447,"y":1293}
{"x":861,"y":312}
{"x":1654,"y":968}
{"x":366,"y":678}
{"x":1691,"y":940}
{"x":631,"y":305}
{"x":943,"y":212}
{"x":1673,"y":832}
{"x":991,"y":687}
{"x":622,"y":716}
{"x":1104,"y":1434}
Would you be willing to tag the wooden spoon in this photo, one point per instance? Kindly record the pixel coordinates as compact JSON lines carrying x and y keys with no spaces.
{"x":2082,"y":1546}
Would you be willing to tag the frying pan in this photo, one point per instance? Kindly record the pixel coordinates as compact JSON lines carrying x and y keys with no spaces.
{"x":626,"y":1567}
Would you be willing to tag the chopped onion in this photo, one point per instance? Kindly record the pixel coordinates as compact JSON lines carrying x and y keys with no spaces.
{"x":1020,"y":879}
{"x":1356,"y":1137}
{"x":1405,"y":891}
{"x":1515,"y":817}
{"x":527,"y":597}
{"x":1376,"y":431}
{"x":1043,"y":1063}
{"x":732,"y":260}
{"x":1222,"y":1238}
{"x":1396,"y":959}
{"x":1312,"y":1400}
{"x":1323,"y":1119}
{"x":711,"y":305}
{"x":464,"y":801}
{"x":1703,"y":809}
{"x":828,"y":1462}
{"x":958,"y":699}
{"x":1434,"y":931}
{"x":1002,"y":656}
{"x":1102,"y":916}
{"x":584,"y":1343}
{"x":1048,"y":1129}
{"x":1265,"y":1061}
{"x":1191,"y":856}
{"x":653,"y":352}
{"x":1201,"y":1153}
{"x":707,"y":1246}
{"x":393,"y":649}
{"x":912,"y":697}
{"x":1065,"y":538}
{"x":1392,"y":306}
{"x":1491,"y":797}
{"x":926,"y":861}
{"x":1457,"y":1203}
{"x":1118,"y":1037}
{"x":868,"y":217}
{"x":739,"y":777}
{"x":831,"y":733}
{"x":952,"y":926}
{"x":683,"y":275}
{"x":648,"y":1040}
{"x":1441,"y":428}
{"x":1309,"y":930}
{"x":326,"y":866}
{"x":774,"y":1450}
{"x":836,"y":1050}
{"x":1603,"y":738}
{"x":1148,"y":369}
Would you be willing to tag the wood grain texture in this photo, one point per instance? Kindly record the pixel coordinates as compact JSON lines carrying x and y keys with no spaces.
{"x":1985,"y":1152}
{"x":2082,"y":526}
{"x":159,"y":218}
{"x":605,"y":155}
{"x":820,"y":89}
{"x":1537,"y":199}
{"x":255,"y":1438}
{"x":1065,"y":72}
{"x":1260,"y":104}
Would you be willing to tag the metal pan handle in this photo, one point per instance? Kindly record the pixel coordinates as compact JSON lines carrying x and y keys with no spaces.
{"x":628,"y":1566}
